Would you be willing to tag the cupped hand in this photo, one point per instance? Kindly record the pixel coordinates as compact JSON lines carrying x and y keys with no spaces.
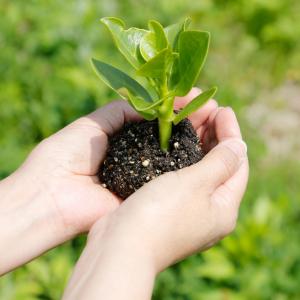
{"x":55,"y":195}
{"x":176,"y":215}
{"x":188,"y":211}
{"x":65,"y":165}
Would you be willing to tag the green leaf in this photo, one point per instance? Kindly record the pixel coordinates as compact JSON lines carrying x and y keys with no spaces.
{"x":186,"y":23}
{"x":174,"y":74}
{"x":170,"y":64}
{"x":116,"y":80}
{"x":146,"y":113}
{"x":153,"y":42}
{"x":195,"y":104}
{"x":127,"y":41}
{"x":148,"y":46}
{"x":192,"y":49}
{"x":173,"y":32}
{"x":156,"y":66}
{"x":160,"y":35}
{"x":139,"y":105}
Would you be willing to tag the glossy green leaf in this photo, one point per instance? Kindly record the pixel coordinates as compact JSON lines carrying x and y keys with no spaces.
{"x":156,"y":66}
{"x":160,"y":35}
{"x":127,"y":41}
{"x":195,"y":104}
{"x":192,"y":49}
{"x":116,"y":80}
{"x":173,"y":56}
{"x":148,"y":46}
{"x":146,"y":113}
{"x":170,"y":63}
{"x":141,"y":106}
{"x":173,"y":32}
{"x":174,"y":74}
{"x":186,"y":23}
{"x":153,"y":42}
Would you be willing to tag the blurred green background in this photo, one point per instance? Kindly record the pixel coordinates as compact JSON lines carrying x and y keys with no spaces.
{"x":46,"y":82}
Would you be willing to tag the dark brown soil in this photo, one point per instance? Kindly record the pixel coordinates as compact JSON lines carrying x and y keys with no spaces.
{"x":134,"y":156}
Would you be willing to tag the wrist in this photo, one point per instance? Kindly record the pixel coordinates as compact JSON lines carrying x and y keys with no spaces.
{"x":111,"y":238}
{"x":27,"y":220}
{"x":114,"y":265}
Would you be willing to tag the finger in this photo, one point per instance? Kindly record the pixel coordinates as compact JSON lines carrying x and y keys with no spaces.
{"x":205,"y":142}
{"x":82,"y":145}
{"x":222,"y":125}
{"x":202,"y":129}
{"x":209,"y":137}
{"x":91,"y":200}
{"x":181,"y":102}
{"x":233,"y":189}
{"x":212,"y":128}
{"x":113,"y":116}
{"x":226,"y":125}
{"x":216,"y":167}
{"x":199,"y":117}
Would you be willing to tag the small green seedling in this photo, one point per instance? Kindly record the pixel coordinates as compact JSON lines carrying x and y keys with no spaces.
{"x":170,"y":58}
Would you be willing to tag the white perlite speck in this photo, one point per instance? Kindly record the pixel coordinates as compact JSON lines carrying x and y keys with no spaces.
{"x":176,"y":145}
{"x":104,"y":185}
{"x":146,"y":163}
{"x":172,"y":163}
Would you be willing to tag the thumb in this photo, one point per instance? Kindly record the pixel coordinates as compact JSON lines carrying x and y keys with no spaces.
{"x":218,"y":165}
{"x":223,"y":161}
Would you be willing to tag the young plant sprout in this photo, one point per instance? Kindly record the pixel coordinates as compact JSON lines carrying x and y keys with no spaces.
{"x":170,"y":58}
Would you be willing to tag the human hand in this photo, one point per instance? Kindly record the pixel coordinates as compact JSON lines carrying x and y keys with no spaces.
{"x":176,"y":215}
{"x":55,"y":195}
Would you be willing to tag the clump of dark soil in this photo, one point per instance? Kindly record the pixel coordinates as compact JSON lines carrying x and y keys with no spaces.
{"x":134,"y":156}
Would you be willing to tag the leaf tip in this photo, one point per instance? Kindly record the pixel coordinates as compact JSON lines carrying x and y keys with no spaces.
{"x":92,"y":60}
{"x":187,"y":22}
{"x":107,"y":20}
{"x":150,"y":25}
{"x":103,"y":20}
{"x":214,"y":90}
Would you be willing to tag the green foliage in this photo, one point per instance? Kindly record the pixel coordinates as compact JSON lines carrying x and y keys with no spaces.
{"x":192,"y":50}
{"x":156,"y":67}
{"x":195,"y":104}
{"x":173,"y":32}
{"x":125,"y":86}
{"x":127,"y":41}
{"x":116,"y":80}
{"x":170,"y":73}
{"x":46,"y":82}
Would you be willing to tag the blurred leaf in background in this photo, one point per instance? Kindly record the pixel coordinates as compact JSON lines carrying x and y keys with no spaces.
{"x":46,"y":82}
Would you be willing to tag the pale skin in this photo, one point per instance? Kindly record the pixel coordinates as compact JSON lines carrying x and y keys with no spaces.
{"x":55,"y":195}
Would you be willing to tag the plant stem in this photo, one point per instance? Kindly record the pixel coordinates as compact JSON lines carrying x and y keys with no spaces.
{"x":154,"y":84}
{"x":165,"y":116}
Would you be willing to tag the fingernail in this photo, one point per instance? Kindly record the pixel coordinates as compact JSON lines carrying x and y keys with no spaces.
{"x":238,"y":146}
{"x":198,"y":89}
